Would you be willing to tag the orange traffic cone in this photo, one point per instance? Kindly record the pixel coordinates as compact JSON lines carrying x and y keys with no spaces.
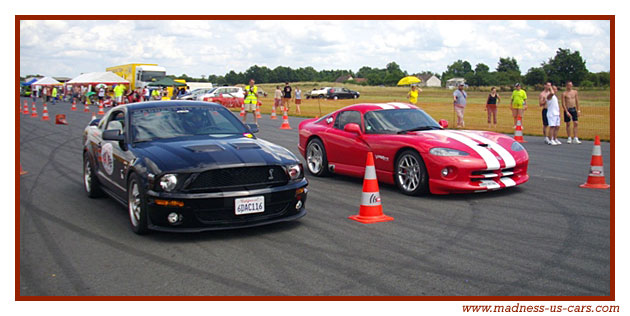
{"x":518,"y":132}
{"x":93,"y":116}
{"x":100,"y":108}
{"x":86,"y":108}
{"x":596,"y":179}
{"x":273,"y":113}
{"x":45,"y":113}
{"x":242,"y":109}
{"x":74,"y":105}
{"x":258,"y":110}
{"x":285,"y":120}
{"x":34,"y":110}
{"x":371,"y":210}
{"x":26,"y":111}
{"x":60,"y":119}
{"x":22,"y":172}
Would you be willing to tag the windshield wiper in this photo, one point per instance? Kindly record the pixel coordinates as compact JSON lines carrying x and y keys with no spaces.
{"x":419,"y":128}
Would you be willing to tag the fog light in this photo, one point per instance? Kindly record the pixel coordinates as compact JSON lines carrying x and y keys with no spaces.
{"x":298,"y":205}
{"x":174,"y":218}
{"x":445,"y":172}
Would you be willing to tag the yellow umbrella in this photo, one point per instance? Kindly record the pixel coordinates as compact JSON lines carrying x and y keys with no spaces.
{"x":408,"y":80}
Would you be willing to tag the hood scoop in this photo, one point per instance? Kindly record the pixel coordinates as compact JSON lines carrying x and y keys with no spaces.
{"x":205,"y":148}
{"x":245,"y":145}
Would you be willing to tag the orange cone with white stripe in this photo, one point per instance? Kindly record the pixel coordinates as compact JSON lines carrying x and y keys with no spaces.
{"x":273,"y":113}
{"x":34,"y":110}
{"x":86,"y":108}
{"x":285,"y":120}
{"x":242,"y":109}
{"x":22,"y":172}
{"x":371,"y":210}
{"x":45,"y":116}
{"x":60,"y":119}
{"x":596,"y":178}
{"x":100,"y":108}
{"x":26,"y":111}
{"x":74,"y":105}
{"x":93,"y":116}
{"x":258,"y":110}
{"x":518,"y":132}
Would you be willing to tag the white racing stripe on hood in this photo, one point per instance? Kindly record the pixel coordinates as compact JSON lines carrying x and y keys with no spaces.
{"x":492,"y":163}
{"x":400,"y":105}
{"x":385,"y":106}
{"x":505,"y":155}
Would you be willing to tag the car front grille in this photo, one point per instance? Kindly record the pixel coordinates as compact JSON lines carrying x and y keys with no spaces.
{"x":221,"y":210}
{"x":243,"y":178}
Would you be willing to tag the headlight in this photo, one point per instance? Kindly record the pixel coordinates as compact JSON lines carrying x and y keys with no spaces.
{"x":517,"y":146}
{"x":294,"y":171}
{"x":447,"y":152}
{"x":168,"y":182}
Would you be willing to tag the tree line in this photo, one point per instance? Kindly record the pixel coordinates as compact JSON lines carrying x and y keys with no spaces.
{"x":563,"y":67}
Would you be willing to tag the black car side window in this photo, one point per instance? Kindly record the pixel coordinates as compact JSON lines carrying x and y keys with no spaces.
{"x":116,"y":121}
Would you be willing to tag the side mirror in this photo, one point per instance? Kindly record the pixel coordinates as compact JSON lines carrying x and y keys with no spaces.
{"x":352,"y":128}
{"x":113,"y":134}
{"x":443,"y":123}
{"x":253,"y":128}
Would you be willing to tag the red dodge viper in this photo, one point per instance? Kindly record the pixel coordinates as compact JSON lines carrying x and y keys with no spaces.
{"x":411,"y":150}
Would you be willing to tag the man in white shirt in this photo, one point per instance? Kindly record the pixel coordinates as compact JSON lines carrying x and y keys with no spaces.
{"x":553,"y":116}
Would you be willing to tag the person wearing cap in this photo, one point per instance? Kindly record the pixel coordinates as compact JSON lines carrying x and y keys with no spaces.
{"x":459,"y":104}
{"x":519,"y":102}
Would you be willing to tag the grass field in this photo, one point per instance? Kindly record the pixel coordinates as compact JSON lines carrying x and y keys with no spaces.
{"x":595,"y":106}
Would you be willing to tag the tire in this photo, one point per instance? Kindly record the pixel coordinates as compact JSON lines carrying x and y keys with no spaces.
{"x":355,"y":96}
{"x":90,"y":182}
{"x":316,"y":160}
{"x":335,"y":97}
{"x":137,"y":205}
{"x":410,"y":162}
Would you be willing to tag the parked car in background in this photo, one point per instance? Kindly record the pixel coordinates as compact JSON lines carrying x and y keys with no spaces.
{"x":192,"y":95}
{"x":341,"y":93}
{"x":317,"y":93}
{"x":225,"y":92}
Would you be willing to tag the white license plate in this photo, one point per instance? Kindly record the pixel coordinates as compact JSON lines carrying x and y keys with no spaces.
{"x":249,"y":205}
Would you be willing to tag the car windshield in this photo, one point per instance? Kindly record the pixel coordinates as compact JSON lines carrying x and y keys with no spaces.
{"x":177,"y":121}
{"x":398,"y":120}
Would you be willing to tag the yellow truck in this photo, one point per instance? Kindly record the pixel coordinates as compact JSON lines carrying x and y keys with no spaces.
{"x":139,"y":75}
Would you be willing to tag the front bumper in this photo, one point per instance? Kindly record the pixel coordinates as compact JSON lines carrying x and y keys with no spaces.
{"x":215,"y":211}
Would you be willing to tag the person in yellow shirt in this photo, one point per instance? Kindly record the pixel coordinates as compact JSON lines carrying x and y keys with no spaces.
{"x":519,"y":102}
{"x":413,"y":95}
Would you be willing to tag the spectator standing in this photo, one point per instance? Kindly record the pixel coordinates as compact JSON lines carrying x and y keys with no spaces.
{"x":459,"y":104}
{"x":491,"y":107}
{"x":34,"y":91}
{"x":155,"y":94}
{"x":45,"y":93}
{"x":519,"y":102}
{"x":118,"y":93}
{"x":571,"y":108}
{"x":553,"y":116}
{"x":277,"y":98}
{"x":53,"y":94}
{"x":298,"y":100}
{"x":146,"y":94}
{"x":84,"y":91}
{"x":101,"y":94}
{"x":412,"y":95}
{"x":542,"y":101}
{"x":251,"y":100}
{"x":286,"y":95}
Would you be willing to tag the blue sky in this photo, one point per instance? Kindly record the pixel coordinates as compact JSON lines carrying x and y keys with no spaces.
{"x":195,"y":48}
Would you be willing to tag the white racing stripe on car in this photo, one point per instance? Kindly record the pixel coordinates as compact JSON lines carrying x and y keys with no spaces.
{"x":385,"y":106}
{"x":400,"y":105}
{"x":492,"y":163}
{"x":505,"y":155}
{"x":508,"y":182}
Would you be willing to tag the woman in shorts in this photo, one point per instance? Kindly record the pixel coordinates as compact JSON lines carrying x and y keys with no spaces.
{"x":298,"y":100}
{"x":491,"y":107}
{"x":277,"y":98}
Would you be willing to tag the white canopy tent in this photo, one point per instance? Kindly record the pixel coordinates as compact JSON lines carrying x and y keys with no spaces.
{"x":46,"y":81}
{"x":93,"y":78}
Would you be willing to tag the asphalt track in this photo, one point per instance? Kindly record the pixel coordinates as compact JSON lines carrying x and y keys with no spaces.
{"x":548,"y":237}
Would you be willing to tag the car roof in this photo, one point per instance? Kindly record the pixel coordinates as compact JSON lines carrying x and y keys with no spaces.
{"x":365,"y":107}
{"x":160,"y":104}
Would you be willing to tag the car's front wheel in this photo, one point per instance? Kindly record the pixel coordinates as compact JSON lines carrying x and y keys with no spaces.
{"x":355,"y":96}
{"x":90,"y":182}
{"x":137,"y":205}
{"x":411,"y":174}
{"x":335,"y":97}
{"x":316,"y":160}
